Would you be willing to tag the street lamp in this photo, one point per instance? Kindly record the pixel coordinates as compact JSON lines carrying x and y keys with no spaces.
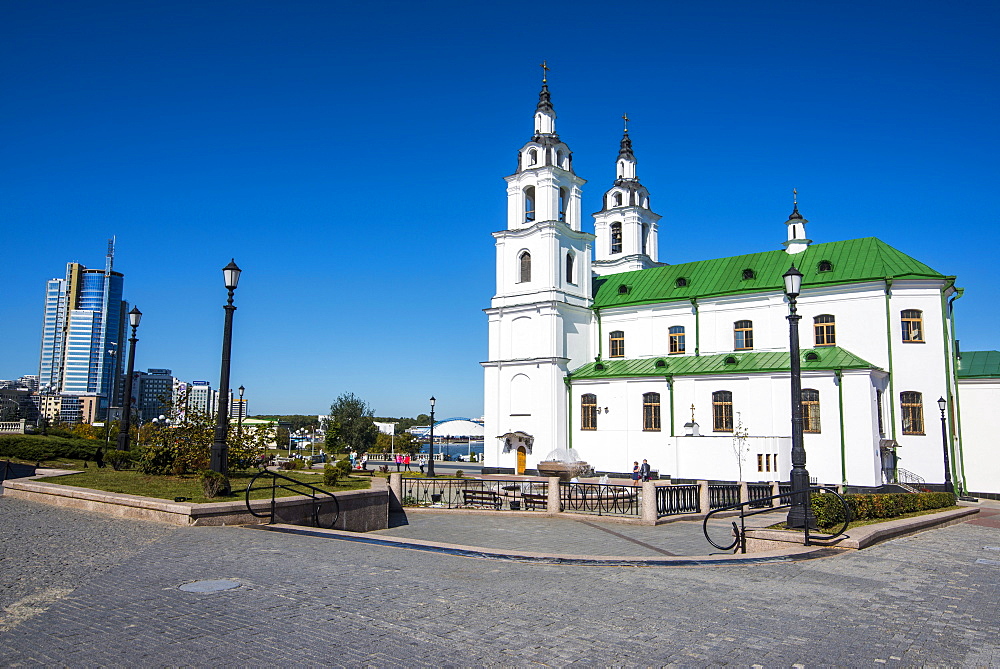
{"x":942,"y":404}
{"x":220,"y":454}
{"x":800,"y":515}
{"x":239,"y":417}
{"x":430,"y":462}
{"x":133,"y":319}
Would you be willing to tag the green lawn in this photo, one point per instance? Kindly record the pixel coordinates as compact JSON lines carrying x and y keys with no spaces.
{"x":169,"y":487}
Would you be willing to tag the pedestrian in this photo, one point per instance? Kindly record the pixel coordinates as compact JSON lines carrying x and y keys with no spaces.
{"x":406,"y":461}
{"x":635,"y":473}
{"x":644,"y":470}
{"x":99,"y":458}
{"x":399,"y":462}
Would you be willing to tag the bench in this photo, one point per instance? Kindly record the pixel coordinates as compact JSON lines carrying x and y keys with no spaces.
{"x":535,"y":501}
{"x":481,"y":498}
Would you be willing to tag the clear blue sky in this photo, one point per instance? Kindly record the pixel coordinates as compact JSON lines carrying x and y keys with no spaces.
{"x":350,"y":157}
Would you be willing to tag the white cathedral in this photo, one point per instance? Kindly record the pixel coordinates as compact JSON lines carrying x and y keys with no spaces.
{"x":597,"y":346}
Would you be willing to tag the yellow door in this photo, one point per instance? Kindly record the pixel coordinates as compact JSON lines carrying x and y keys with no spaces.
{"x":521,"y":460}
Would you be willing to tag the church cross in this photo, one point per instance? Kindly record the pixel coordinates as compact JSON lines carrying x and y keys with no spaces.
{"x":545,"y":69}
{"x":625,"y":117}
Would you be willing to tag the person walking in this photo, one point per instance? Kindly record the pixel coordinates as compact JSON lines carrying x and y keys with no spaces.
{"x":406,"y":461}
{"x":644,"y":470}
{"x":635,"y":473}
{"x":399,"y":461}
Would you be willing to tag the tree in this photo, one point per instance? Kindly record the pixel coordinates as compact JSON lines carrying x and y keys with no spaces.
{"x":351,"y":426}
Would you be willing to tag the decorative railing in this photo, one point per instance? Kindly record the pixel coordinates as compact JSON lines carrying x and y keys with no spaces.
{"x":760,"y":495}
{"x":675,"y":499}
{"x":723,"y":495}
{"x":602,"y":499}
{"x":785,"y":490}
{"x":497,"y":494}
{"x":906,"y":476}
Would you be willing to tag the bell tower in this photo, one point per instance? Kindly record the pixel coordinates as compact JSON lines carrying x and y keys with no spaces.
{"x":540,"y":315}
{"x":626,"y":227}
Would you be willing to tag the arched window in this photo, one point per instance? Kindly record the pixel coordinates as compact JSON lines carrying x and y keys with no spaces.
{"x":722,"y":411}
{"x":618,"y":199}
{"x":569,"y":268}
{"x":532,"y":157}
{"x":824,"y":266}
{"x":651,"y":412}
{"x":562,"y":204}
{"x":912,"y":322}
{"x":743,"y":335}
{"x":617,"y":348}
{"x":810,"y":410}
{"x":524,"y":261}
{"x":529,"y":203}
{"x":912,"y":405}
{"x":676,"y":336}
{"x":824,"y":328}
{"x":588,"y":412}
{"x":616,"y":237}
{"x":681,"y":282}
{"x":748,"y":274}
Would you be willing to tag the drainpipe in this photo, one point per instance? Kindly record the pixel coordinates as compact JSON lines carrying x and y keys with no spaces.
{"x":670,"y":385}
{"x":955,"y":424}
{"x":569,"y":411}
{"x":600,"y":334}
{"x":839,"y":373}
{"x":888,"y":337}
{"x":697,"y":327}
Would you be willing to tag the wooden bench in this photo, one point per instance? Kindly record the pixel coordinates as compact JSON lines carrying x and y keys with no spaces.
{"x":535,"y":501}
{"x":481,"y":498}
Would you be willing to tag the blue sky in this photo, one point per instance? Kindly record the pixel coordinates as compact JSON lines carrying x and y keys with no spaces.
{"x":350,"y":157}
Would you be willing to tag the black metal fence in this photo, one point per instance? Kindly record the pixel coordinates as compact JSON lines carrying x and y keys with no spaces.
{"x":601,"y":499}
{"x":785,"y":490}
{"x":671,"y":500}
{"x":723,"y":495}
{"x":497,"y":494}
{"x":760,"y":495}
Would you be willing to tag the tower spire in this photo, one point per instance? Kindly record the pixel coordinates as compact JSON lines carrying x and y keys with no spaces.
{"x":797,"y":241}
{"x":545,"y":113}
{"x":795,"y":205}
{"x":625,"y":151}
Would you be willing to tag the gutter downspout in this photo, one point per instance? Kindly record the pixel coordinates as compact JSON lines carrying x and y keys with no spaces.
{"x":888,"y":337}
{"x":839,"y":374}
{"x":670,"y":384}
{"x":697,"y":327}
{"x":955,"y":422}
{"x":569,"y":411}
{"x":600,"y":334}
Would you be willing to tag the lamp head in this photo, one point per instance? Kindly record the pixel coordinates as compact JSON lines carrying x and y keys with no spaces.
{"x":231,"y":272}
{"x":134,"y":317}
{"x":241,"y":391}
{"x":793,"y":282}
{"x":432,"y":402}
{"x":942,"y":403}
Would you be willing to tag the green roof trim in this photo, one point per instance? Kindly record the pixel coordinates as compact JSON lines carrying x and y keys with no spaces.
{"x":740,"y":362}
{"x":852,"y":261}
{"x":979,"y":365}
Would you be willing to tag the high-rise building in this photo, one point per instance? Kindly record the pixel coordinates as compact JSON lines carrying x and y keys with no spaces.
{"x":83,"y":332}
{"x":152,"y":390}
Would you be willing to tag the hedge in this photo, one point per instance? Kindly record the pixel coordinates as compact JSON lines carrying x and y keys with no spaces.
{"x":37,"y":448}
{"x":829,"y":511}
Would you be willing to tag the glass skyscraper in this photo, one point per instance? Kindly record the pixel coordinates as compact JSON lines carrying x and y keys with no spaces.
{"x":83,"y":332}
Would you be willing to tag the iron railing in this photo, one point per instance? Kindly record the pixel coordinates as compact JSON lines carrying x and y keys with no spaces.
{"x":602,"y":499}
{"x":675,"y":499}
{"x":760,"y":495}
{"x":325,"y":509}
{"x":496,"y":494}
{"x":720,"y":495}
{"x":785,"y":489}
{"x":739,"y":531}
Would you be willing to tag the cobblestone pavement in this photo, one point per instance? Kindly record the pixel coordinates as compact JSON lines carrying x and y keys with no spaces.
{"x":931,"y":598}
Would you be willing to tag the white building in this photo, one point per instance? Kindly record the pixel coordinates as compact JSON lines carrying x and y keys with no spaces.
{"x":622,"y":357}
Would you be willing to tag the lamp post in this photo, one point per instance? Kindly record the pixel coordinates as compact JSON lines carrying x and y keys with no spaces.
{"x":239,"y":417}
{"x":942,"y":404}
{"x":133,"y":319}
{"x":430,"y":461}
{"x":801,"y":514}
{"x":220,"y":454}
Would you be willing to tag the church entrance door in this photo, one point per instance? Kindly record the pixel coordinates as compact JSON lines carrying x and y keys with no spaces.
{"x":522,"y":460}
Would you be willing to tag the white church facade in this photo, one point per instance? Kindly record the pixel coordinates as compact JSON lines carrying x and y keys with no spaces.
{"x":597,"y":346}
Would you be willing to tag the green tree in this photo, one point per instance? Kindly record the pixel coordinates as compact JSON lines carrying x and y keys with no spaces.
{"x":351,"y":425}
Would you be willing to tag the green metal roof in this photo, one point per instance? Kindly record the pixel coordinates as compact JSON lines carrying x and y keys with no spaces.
{"x":979,"y":364}
{"x":852,"y":260}
{"x":743,"y":362}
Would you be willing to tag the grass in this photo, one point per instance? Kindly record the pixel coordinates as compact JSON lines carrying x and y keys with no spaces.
{"x":169,"y":487}
{"x":873,"y":521}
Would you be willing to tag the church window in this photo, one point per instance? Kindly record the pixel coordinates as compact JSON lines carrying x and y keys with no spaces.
{"x":824,"y":328}
{"x":617,"y":348}
{"x":748,"y":274}
{"x":810,"y":410}
{"x":525,"y":267}
{"x":651,"y":412}
{"x":532,"y":157}
{"x":743,"y":335}
{"x":676,"y":335}
{"x":624,"y":289}
{"x":616,"y":237}
{"x":618,"y":199}
{"x":588,"y":412}
{"x":529,"y":203}
{"x":824,"y":266}
{"x":722,"y":411}
{"x":569,"y":268}
{"x":562,"y":205}
{"x":560,"y":158}
{"x":645,"y":202}
{"x":912,"y":405}
{"x":878,"y":410}
{"x":913,"y":325}
{"x":681,"y":282}
{"x":645,"y":235}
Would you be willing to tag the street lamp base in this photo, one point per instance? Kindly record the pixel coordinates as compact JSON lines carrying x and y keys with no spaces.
{"x":799,"y":518}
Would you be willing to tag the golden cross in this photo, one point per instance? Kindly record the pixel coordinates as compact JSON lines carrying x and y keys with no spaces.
{"x":692,"y":413}
{"x":625,"y":116}
{"x":795,"y":197}
{"x":545,"y":68}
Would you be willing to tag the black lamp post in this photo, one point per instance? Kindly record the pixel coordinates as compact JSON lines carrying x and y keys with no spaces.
{"x":133,"y":319}
{"x":801,"y":514}
{"x":430,"y":462}
{"x":220,"y":454}
{"x":942,"y":404}
{"x":239,"y":417}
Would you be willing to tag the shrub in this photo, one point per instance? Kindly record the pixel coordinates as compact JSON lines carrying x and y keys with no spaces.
{"x":460,"y":474}
{"x":119,"y":459}
{"x":344,"y":466}
{"x":293,"y":463}
{"x":37,"y":448}
{"x":214,"y":483}
{"x":829,"y":512}
{"x":331,"y":475}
